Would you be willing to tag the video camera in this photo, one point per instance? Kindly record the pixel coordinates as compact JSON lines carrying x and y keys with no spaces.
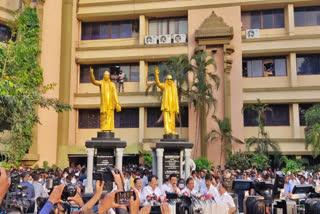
{"x":19,"y":200}
{"x":105,"y":175}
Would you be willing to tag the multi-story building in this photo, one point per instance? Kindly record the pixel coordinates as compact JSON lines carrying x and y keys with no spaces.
{"x":262,"y":49}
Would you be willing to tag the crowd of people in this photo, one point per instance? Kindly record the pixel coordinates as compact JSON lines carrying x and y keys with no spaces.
{"x":215,"y":184}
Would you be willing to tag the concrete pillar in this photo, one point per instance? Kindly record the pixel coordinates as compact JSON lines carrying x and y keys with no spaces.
{"x":187,"y":160}
{"x":289,"y":19}
{"x":142,"y":29}
{"x":141,"y":124}
{"x":295,"y":121}
{"x":119,"y":156}
{"x":181,"y":163}
{"x":154,"y":161}
{"x":292,"y":69}
{"x":142,"y":76}
{"x":90,"y":155}
{"x":160,"y":165}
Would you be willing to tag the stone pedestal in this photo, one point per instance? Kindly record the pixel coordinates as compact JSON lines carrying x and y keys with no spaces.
{"x":168,"y":155}
{"x":109,"y":153}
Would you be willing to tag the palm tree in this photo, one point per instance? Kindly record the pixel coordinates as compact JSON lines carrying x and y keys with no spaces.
{"x":263,"y":141}
{"x":201,"y":94}
{"x":224,"y":134}
{"x":312,"y":131}
{"x":178,"y":67}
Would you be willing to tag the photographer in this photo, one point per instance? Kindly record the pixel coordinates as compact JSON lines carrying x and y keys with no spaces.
{"x":27,"y":182}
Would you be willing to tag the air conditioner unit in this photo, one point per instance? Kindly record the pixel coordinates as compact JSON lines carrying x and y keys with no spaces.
{"x":179,"y":38}
{"x":164,"y":39}
{"x":150,"y":40}
{"x":252,"y":33}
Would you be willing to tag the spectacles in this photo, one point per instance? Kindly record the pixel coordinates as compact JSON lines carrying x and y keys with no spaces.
{"x":169,"y":79}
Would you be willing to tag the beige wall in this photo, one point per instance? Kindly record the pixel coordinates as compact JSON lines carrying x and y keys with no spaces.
{"x":232,"y":16}
{"x":50,"y":62}
{"x":7,"y":7}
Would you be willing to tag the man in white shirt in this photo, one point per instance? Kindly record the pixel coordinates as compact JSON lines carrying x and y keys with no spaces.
{"x":225,"y":198}
{"x":138,"y":186}
{"x":151,"y":189}
{"x":209,"y":188}
{"x":165,"y":187}
{"x":195,"y":179}
{"x":202,"y":180}
{"x":189,"y":190}
{"x":173,"y":178}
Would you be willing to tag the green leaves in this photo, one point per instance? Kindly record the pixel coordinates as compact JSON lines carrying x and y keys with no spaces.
{"x":262,"y":142}
{"x":203,"y":163}
{"x":312,"y":131}
{"x":21,"y":89}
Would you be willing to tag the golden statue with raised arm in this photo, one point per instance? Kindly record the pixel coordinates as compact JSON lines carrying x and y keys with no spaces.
{"x":108,"y":101}
{"x":169,"y":103}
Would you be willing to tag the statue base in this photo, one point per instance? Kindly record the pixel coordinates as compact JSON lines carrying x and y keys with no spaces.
{"x":103,"y":151}
{"x":168,"y":156}
{"x":170,"y":137}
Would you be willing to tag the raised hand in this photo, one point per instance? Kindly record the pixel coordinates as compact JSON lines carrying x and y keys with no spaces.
{"x":165,"y":209}
{"x":77,"y":198}
{"x":157,"y":71}
{"x":55,"y":196}
{"x":91,"y":70}
{"x":108,"y":202}
{"x":134,"y":204}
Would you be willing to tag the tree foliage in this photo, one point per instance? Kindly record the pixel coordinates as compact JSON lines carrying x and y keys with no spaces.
{"x":312,"y":131}
{"x":203,"y":163}
{"x":262,"y":142}
{"x":201,"y":94}
{"x":21,"y":88}
{"x":292,"y":165}
{"x":224,"y":135}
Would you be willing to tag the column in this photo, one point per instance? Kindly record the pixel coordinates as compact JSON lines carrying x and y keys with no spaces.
{"x":289,"y":19}
{"x":159,"y":165}
{"x":295,"y":120}
{"x":142,"y":29}
{"x":90,"y":155}
{"x":187,"y":160}
{"x":119,"y":155}
{"x":142,"y":76}
{"x":292,"y":69}
{"x":141,"y":124}
{"x":181,"y":163}
{"x":154,"y":161}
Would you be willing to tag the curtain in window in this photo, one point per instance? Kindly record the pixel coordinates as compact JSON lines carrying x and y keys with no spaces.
{"x":153,"y":27}
{"x":115,"y":33}
{"x":256,"y":19}
{"x":135,"y":73}
{"x":104,"y":31}
{"x":183,"y":26}
{"x":126,"y":71}
{"x":256,"y":68}
{"x":173,"y":27}
{"x":126,"y":29}
{"x":164,"y":27}
{"x":246,"y":20}
{"x":280,"y":67}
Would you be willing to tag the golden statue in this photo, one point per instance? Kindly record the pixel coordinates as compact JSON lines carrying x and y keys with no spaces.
{"x":169,"y":103}
{"x":109,"y":100}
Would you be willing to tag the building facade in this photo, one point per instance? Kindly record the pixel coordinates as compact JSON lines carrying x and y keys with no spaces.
{"x":262,"y":49}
